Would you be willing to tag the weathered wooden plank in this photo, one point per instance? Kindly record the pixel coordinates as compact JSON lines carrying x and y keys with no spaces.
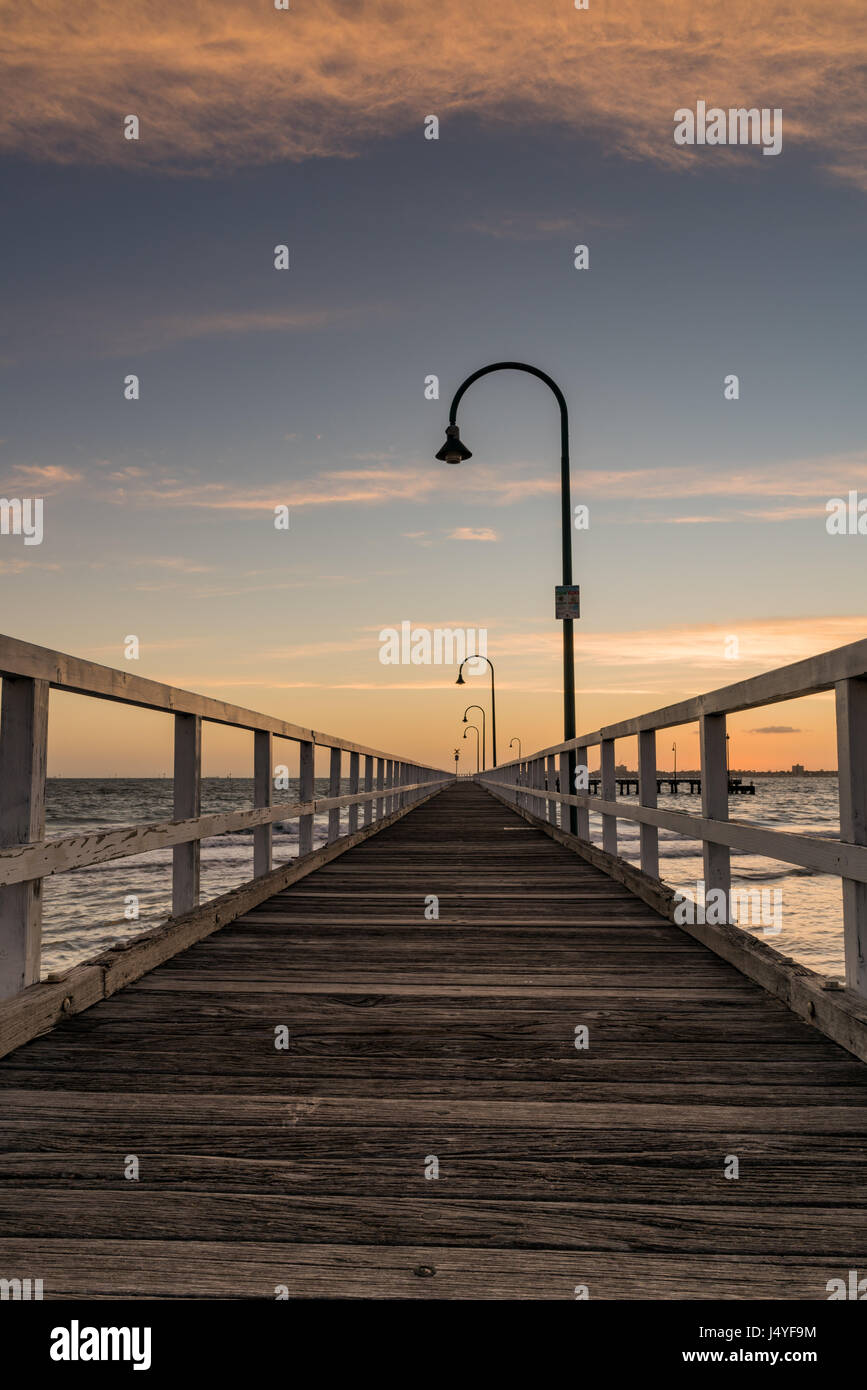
{"x":195,"y":1269}
{"x":335,"y":1109}
{"x":134,"y":1212}
{"x":687,"y":1079}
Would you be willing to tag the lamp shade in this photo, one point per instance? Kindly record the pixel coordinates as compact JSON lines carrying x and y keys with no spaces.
{"x":453,"y":451}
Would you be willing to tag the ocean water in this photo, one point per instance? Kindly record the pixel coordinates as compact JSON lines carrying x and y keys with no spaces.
{"x":808,"y":907}
{"x":84,"y":911}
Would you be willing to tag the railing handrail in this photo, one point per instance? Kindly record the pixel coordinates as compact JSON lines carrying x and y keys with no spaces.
{"x":531,"y":779}
{"x":28,"y":674}
{"x":810,"y":676}
{"x":79,"y":676}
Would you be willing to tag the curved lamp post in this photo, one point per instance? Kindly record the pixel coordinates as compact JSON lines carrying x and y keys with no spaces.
{"x":484,"y":735}
{"x":518,"y":741}
{"x":460,"y":681}
{"x":476,"y":732}
{"x":455,"y":451}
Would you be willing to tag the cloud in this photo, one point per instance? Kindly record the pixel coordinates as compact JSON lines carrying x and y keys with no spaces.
{"x":698,"y":650}
{"x":161,"y":331}
{"x":473,"y":533}
{"x":373,"y":483}
{"x":234,"y":83}
{"x":819,"y":477}
{"x":777,"y":729}
{"x":127,"y":325}
{"x":45,"y":476}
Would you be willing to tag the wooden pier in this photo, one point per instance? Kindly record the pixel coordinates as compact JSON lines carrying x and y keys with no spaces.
{"x":415,"y":1041}
{"x":629,"y":786}
{"x":455,"y":1052}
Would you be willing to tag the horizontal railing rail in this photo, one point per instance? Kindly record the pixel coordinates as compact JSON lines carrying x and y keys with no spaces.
{"x":386,"y":785}
{"x":531,"y":782}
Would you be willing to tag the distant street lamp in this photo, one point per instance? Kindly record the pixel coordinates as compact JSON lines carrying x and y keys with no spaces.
{"x":455,"y":451}
{"x":460,"y":681}
{"x":484,"y":735}
{"x":674,"y":784}
{"x":728,"y":770}
{"x":476,"y":732}
{"x":518,"y":741}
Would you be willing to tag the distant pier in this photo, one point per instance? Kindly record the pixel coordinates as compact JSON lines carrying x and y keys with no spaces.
{"x":692,"y":785}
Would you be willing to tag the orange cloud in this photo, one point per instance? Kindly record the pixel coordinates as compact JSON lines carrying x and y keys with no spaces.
{"x":473,"y":533}
{"x":235,"y":82}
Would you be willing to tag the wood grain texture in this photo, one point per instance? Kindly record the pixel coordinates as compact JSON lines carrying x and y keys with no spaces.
{"x":411,"y":1037}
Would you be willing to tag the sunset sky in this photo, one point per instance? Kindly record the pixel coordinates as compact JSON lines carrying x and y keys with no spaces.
{"x":411,"y":257}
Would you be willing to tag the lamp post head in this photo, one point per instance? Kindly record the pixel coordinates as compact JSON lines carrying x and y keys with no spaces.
{"x":453,"y":451}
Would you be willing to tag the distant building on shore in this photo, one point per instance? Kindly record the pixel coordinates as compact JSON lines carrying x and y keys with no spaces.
{"x":797,"y":769}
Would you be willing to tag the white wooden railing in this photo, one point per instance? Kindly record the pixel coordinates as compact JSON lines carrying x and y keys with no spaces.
{"x":385,"y":786}
{"x":531,"y":781}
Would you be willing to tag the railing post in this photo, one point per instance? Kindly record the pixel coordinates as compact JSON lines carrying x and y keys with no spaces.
{"x":582,"y":829}
{"x":852,"y":781}
{"x":608,"y":788}
{"x":353,"y":789}
{"x":552,"y":777}
{"x":263,"y":784}
{"x":187,"y":805}
{"x":715,"y":804}
{"x":334,"y":790}
{"x":538,"y":807}
{"x":563,"y":761}
{"x":367,"y":818}
{"x":306,"y":754}
{"x":389,"y":782}
{"x":380,"y":783}
{"x":23,"y":757}
{"x":648,"y":834}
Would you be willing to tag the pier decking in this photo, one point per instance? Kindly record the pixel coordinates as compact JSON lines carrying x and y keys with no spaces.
{"x":414,"y":1041}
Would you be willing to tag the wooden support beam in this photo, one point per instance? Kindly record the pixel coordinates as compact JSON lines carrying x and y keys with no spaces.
{"x":551,"y":771}
{"x":583,"y":821}
{"x":715,"y":803}
{"x":187,"y":804}
{"x":368,"y":787}
{"x":353,"y":788}
{"x":380,"y":783}
{"x":23,"y":757}
{"x":564,"y":760}
{"x":608,"y":788}
{"x":852,"y":778}
{"x":334,"y":770}
{"x":263,"y":784}
{"x":305,"y":792}
{"x":649,"y":835}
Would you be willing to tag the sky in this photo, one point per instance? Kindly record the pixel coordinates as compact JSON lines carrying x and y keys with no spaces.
{"x":707,"y":558}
